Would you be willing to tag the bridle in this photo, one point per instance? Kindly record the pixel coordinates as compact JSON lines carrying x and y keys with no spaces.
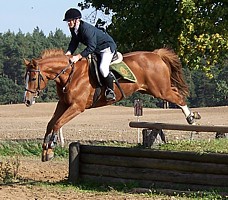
{"x":37,"y":90}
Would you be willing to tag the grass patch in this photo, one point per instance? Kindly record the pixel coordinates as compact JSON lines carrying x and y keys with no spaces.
{"x":28,"y":148}
{"x":199,"y":146}
{"x":128,"y":190}
{"x":34,"y":147}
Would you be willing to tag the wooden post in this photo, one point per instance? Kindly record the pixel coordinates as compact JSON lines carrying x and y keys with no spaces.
{"x":150,"y":135}
{"x":138,"y":111}
{"x":74,"y":150}
{"x":165,"y":104}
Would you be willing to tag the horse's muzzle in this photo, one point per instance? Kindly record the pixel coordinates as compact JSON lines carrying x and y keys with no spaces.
{"x":29,"y":102}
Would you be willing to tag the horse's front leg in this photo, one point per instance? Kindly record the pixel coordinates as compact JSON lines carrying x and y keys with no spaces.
{"x":59,"y":119}
{"x":50,"y":137}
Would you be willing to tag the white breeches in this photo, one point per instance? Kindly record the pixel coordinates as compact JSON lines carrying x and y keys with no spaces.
{"x":106,"y":58}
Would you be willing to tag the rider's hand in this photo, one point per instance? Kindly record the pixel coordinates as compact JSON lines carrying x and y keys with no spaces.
{"x":75,"y":59}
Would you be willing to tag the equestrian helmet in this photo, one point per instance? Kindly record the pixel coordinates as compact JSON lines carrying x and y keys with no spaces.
{"x":72,"y":13}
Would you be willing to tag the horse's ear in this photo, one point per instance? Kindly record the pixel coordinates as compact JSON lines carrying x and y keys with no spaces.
{"x":34,"y":62}
{"x":26,"y":62}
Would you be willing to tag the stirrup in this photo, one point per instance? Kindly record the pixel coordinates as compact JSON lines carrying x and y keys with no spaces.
{"x":110,"y":95}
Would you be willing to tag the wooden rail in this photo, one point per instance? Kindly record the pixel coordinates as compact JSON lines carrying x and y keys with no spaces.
{"x":183,"y":127}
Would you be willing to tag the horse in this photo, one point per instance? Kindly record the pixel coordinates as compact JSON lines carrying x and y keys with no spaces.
{"x":158,"y":73}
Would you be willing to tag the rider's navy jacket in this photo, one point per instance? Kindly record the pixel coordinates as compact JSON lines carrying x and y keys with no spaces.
{"x":93,"y":38}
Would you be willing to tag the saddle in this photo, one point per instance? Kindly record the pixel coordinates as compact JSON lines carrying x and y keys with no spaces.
{"x":118,"y":69}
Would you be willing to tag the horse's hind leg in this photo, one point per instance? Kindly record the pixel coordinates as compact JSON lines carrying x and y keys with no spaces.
{"x":175,"y":97}
{"x":188,"y":114}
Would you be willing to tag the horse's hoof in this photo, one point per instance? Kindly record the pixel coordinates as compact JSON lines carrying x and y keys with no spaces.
{"x":47,"y":155}
{"x":196,"y":115}
{"x":190,"y":119}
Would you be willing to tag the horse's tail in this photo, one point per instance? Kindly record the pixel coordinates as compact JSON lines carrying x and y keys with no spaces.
{"x":173,"y":62}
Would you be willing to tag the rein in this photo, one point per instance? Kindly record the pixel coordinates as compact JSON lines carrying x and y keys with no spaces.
{"x":70,"y":75}
{"x":63,"y":71}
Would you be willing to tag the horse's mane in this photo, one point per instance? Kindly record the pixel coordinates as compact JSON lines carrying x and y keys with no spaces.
{"x":52,"y":52}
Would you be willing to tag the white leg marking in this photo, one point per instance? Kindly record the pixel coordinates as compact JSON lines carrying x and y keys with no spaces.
{"x":185,"y":110}
{"x":61,"y":138}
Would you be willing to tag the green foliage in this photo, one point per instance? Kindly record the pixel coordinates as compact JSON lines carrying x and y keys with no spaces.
{"x":10,"y":91}
{"x":148,"y":101}
{"x":203,"y":39}
{"x":210,"y":91}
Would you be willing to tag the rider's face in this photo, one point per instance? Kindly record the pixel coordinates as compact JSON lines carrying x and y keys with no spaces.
{"x":72,"y":22}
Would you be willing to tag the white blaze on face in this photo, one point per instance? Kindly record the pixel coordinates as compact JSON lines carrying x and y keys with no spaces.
{"x":32,"y":101}
{"x":26,"y":85}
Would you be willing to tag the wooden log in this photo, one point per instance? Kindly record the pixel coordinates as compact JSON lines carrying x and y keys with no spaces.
{"x":150,"y":183}
{"x":154,"y":175}
{"x":153,"y":163}
{"x":183,"y":127}
{"x":150,"y":153}
{"x":74,"y":151}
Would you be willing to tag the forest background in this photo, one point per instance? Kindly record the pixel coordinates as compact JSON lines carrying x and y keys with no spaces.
{"x":195,"y":30}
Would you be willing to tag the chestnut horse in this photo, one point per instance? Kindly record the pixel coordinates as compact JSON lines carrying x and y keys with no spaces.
{"x":158,"y":73}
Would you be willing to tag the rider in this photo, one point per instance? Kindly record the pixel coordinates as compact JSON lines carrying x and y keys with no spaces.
{"x":96,"y":41}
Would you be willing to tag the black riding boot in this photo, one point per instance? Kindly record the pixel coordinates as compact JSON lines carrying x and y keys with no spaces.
{"x":109,"y":93}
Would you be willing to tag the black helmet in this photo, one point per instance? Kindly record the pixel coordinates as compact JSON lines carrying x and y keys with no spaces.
{"x":72,"y":13}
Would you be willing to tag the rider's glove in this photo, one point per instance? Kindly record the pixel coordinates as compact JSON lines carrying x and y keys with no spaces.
{"x":75,"y":59}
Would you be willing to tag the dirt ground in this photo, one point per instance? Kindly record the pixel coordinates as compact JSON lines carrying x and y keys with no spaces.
{"x":100,"y":124}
